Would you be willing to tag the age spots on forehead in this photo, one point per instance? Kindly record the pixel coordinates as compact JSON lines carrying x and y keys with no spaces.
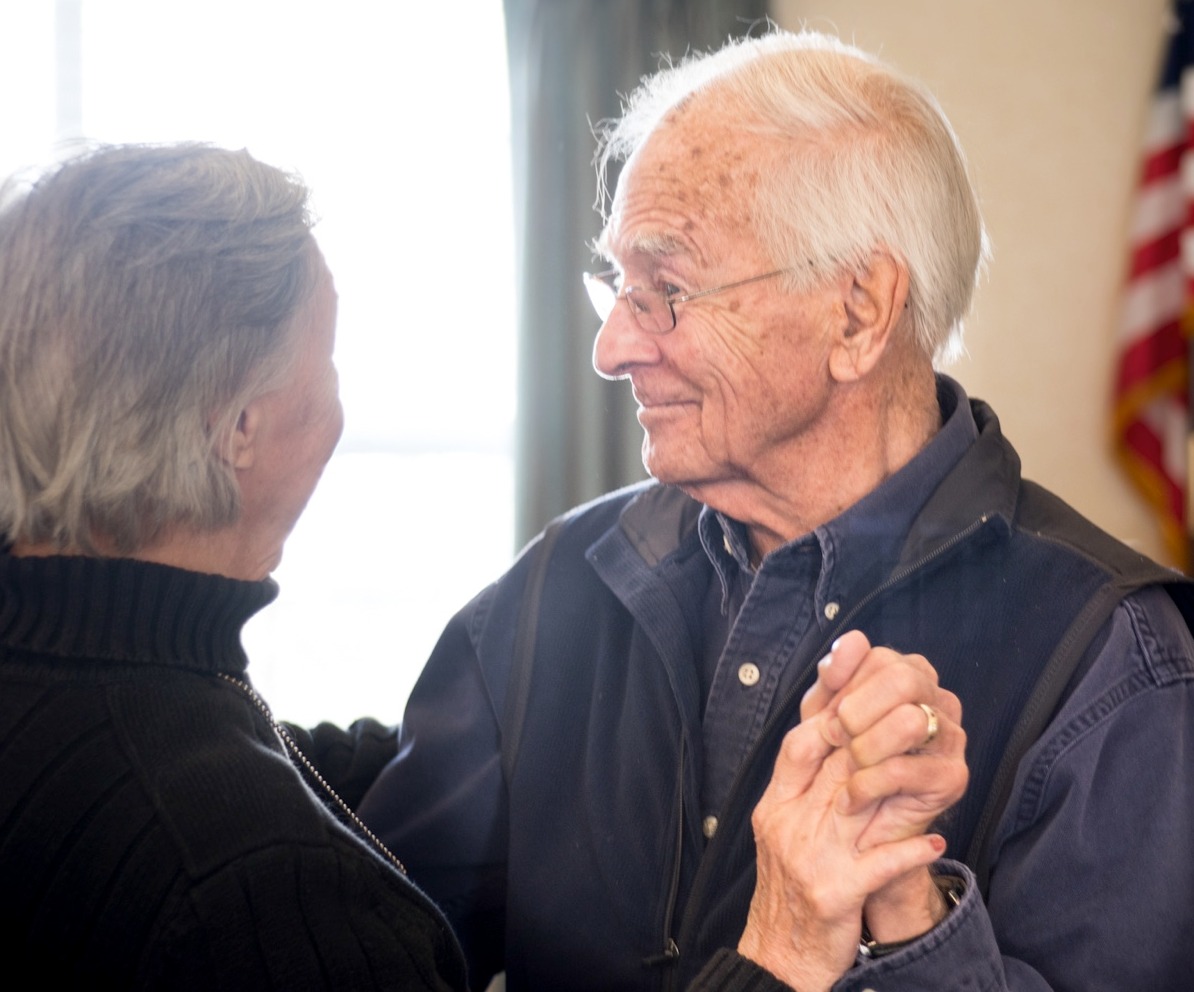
{"x":748,"y":180}
{"x":708,"y":177}
{"x":731,"y":193}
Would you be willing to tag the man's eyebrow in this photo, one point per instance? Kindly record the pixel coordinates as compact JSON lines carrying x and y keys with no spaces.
{"x":656,"y":245}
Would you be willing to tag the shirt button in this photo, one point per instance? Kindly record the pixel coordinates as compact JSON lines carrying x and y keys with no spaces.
{"x":725,"y":543}
{"x":748,"y":674}
{"x":709,"y":827}
{"x":831,"y":610}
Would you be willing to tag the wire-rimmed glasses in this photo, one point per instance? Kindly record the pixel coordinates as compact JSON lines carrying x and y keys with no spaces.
{"x":655,"y":311}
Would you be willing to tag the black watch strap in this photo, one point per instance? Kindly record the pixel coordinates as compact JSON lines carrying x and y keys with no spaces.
{"x":951,"y":888}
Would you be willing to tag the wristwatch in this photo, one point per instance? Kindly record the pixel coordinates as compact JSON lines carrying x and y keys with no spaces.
{"x":951,"y":888}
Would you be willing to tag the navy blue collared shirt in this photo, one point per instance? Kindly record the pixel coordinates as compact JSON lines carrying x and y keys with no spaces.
{"x":756,"y":622}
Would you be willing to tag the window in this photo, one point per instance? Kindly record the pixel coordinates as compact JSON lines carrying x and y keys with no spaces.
{"x":399,"y":124}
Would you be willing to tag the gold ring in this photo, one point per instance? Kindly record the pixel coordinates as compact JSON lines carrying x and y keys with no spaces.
{"x":931,"y":731}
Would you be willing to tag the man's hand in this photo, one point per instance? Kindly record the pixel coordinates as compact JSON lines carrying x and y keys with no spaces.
{"x":813,"y":876}
{"x":871,"y":700}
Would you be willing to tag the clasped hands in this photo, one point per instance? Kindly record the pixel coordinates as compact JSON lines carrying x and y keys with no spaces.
{"x":843,"y":829}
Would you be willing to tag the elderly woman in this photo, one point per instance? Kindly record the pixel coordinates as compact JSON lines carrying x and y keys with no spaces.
{"x":167,"y":403}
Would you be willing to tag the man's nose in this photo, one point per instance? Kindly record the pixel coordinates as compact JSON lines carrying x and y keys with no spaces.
{"x":621,"y":344}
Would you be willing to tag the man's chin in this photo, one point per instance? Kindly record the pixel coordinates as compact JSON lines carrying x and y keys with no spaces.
{"x":670,"y":472}
{"x":700,"y":480}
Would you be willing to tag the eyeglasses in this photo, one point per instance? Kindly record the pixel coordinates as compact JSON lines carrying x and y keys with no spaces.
{"x":654,"y":311}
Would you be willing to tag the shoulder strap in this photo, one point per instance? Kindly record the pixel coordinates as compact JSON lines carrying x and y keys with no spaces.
{"x":1048,"y":691}
{"x":518,"y":686}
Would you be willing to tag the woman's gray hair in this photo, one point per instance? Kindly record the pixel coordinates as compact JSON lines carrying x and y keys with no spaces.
{"x":146,"y":293}
{"x":862,"y":159}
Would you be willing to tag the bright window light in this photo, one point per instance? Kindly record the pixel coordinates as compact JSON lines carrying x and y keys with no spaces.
{"x":400,"y":125}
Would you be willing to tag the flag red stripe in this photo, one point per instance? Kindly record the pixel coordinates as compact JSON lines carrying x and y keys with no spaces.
{"x":1164,"y":162}
{"x":1153,"y":254}
{"x":1143,"y":359}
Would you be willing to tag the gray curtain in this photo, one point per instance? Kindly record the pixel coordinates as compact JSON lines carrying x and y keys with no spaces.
{"x":570,"y":62}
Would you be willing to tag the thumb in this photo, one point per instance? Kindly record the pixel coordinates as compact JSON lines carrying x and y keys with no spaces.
{"x":834,"y":672}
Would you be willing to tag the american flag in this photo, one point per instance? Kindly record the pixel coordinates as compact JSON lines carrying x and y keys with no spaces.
{"x":1152,"y":385}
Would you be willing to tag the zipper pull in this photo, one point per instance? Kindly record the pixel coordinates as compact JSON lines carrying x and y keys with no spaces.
{"x":670,"y":953}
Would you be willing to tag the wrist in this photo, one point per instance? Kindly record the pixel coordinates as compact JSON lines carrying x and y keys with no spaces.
{"x":905,"y":908}
{"x":946,"y":894}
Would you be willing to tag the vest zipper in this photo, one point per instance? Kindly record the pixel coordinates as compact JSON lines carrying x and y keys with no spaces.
{"x":893,"y":580}
{"x":671,"y":951}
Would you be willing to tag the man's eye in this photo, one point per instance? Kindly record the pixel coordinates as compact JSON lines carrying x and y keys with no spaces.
{"x":668,"y":289}
{"x":638,"y":302}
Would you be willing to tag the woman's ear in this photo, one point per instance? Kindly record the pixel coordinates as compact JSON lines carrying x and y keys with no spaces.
{"x":874,"y":305}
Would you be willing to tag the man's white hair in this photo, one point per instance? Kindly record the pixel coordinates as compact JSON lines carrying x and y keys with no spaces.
{"x":855,"y":158}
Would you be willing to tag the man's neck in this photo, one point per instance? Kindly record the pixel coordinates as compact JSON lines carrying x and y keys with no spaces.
{"x":865,"y":440}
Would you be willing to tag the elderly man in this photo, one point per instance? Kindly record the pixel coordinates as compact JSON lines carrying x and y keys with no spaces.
{"x":838,"y":541}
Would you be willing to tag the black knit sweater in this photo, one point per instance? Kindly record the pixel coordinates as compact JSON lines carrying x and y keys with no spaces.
{"x":153,"y":832}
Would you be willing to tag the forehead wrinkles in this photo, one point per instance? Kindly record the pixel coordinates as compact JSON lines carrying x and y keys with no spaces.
{"x":692,"y":178}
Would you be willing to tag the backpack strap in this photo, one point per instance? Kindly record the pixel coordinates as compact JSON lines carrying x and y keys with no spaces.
{"x":1049,"y":690}
{"x":518,"y":685}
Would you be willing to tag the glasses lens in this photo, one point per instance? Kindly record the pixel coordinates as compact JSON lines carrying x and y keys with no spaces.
{"x":650,"y":308}
{"x":603,"y":294}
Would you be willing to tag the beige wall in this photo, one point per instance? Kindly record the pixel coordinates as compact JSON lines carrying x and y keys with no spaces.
{"x":1049,"y":100}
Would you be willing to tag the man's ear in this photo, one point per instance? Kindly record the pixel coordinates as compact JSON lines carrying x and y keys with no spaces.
{"x":874,"y":304}
{"x":239,"y":447}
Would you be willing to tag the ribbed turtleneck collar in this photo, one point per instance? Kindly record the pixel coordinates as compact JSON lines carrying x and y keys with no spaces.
{"x":121,"y":610}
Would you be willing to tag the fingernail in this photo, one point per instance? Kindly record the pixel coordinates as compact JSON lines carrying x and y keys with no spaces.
{"x":826,"y":661}
{"x":938,"y":843}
